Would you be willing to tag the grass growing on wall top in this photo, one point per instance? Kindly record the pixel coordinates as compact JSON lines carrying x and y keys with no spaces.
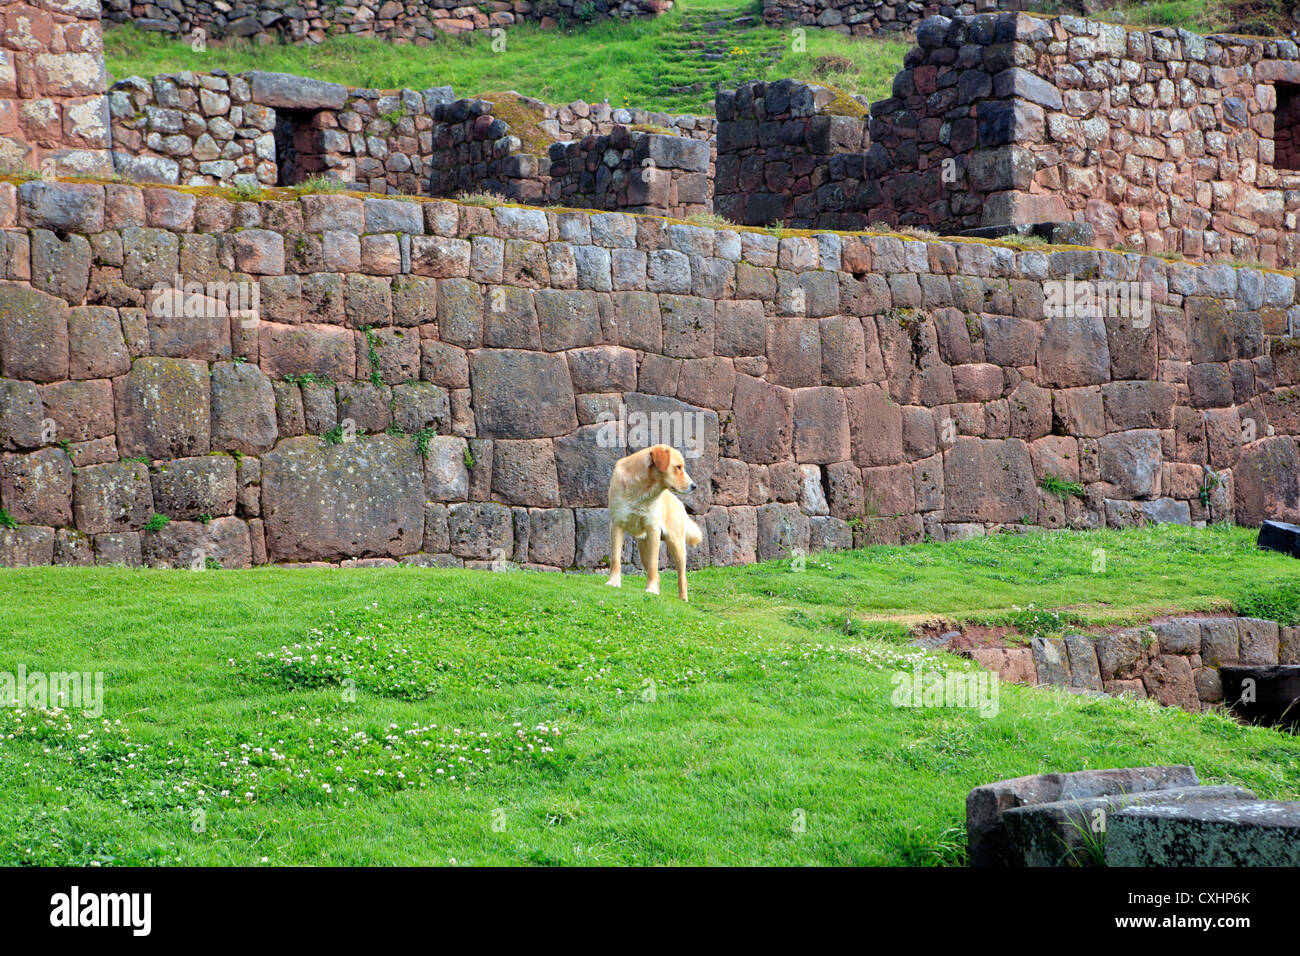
{"x":423,"y":716}
{"x":654,"y":64}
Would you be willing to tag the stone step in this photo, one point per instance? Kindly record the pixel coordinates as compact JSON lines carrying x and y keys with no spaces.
{"x":1074,"y":832}
{"x":986,"y":833}
{"x":1210,"y":833}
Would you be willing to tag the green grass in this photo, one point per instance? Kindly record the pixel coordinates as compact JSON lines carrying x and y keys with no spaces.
{"x":518,"y":718}
{"x":657,"y":64}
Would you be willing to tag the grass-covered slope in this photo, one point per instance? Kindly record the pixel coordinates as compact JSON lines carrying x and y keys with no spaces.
{"x":421,"y":716}
{"x":669,"y":63}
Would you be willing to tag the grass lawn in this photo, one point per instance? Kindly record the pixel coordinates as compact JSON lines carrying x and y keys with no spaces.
{"x":664,"y":63}
{"x":403,"y":716}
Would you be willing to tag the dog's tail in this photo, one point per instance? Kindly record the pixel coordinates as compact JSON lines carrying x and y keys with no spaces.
{"x":693,"y":533}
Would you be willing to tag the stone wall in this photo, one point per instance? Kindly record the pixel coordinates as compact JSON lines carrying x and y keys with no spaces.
{"x":1161,"y":141}
{"x":633,"y":171}
{"x":434,"y":382}
{"x":1158,"y":140}
{"x":870,"y":17}
{"x":53,"y":112}
{"x":272,"y":129}
{"x":784,"y":151}
{"x":414,"y":21}
{"x":1175,"y":662}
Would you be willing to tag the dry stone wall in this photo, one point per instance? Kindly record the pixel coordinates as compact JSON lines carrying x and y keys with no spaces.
{"x":870,"y":17}
{"x":634,"y":171}
{"x":1175,"y":662}
{"x":1162,"y":141}
{"x":792,"y":153}
{"x":311,"y":21}
{"x":267,"y":129}
{"x":53,"y":112}
{"x":344,"y":378}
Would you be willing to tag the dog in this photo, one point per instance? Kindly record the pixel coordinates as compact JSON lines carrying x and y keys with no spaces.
{"x":642,"y":503}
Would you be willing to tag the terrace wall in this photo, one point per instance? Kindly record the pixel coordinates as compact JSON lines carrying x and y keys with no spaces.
{"x":870,"y":17}
{"x":274,"y":129}
{"x":413,"y":21}
{"x":432,"y":382}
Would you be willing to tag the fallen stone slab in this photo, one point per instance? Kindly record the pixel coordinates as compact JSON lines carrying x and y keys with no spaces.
{"x":1267,"y":694}
{"x":1209,"y":833}
{"x":1073,"y":832}
{"x":1279,"y":536}
{"x":986,"y":833}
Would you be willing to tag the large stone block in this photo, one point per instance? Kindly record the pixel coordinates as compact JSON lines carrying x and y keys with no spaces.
{"x":783,"y":531}
{"x":163,"y":409}
{"x":80,"y":410}
{"x":26,"y":547}
{"x":989,"y":480}
{"x":523,"y":472}
{"x":481,"y":531}
{"x":585,"y":461}
{"x":325,"y":351}
{"x":821,"y":425}
{"x":764,"y":419}
{"x":243,"y":409}
{"x":96,"y":346}
{"x":37,"y":488}
{"x":1211,"y":833}
{"x":21,"y":415}
{"x":1131,"y":461}
{"x":875,"y":426}
{"x":1073,"y":351}
{"x":986,"y":832}
{"x":363,"y":498}
{"x":1066,"y":832}
{"x":521,"y":394}
{"x":33,"y":334}
{"x":112,"y":497}
{"x":1266,"y":482}
{"x":188,"y":488}
{"x":287,"y":91}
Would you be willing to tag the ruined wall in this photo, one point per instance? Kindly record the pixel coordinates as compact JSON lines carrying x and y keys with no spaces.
{"x":433,"y":382}
{"x":53,"y":112}
{"x":1159,"y":140}
{"x":792,"y":153}
{"x":414,"y":21}
{"x":633,"y":171}
{"x":270,"y":129}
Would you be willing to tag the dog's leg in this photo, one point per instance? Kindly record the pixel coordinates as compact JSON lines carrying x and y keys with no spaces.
{"x":615,"y":555}
{"x":649,"y":546}
{"x":677,"y":551}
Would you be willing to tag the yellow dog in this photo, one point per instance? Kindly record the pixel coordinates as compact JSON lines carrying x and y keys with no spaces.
{"x":642,"y":504}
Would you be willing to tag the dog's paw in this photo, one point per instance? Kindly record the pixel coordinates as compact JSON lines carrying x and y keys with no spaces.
{"x":614,"y":582}
{"x":652,"y":588}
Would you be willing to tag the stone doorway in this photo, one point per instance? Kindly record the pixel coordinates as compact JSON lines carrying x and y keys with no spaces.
{"x":298,"y":153}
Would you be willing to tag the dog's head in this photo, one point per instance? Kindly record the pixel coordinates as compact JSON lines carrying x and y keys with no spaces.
{"x":668,"y":467}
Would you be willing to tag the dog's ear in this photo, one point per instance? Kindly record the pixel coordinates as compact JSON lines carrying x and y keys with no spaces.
{"x":661,"y":457}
